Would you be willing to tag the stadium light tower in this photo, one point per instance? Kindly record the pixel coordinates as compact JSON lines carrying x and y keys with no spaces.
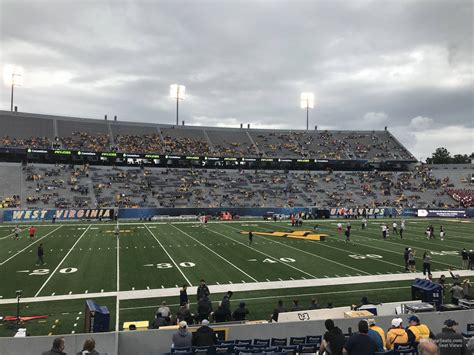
{"x":177,"y":92}
{"x":307,"y":102}
{"x":13,"y":75}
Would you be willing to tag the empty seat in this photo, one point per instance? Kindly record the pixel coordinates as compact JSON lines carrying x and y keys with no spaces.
{"x":203,"y":349}
{"x":313,"y":339}
{"x":279,"y":341}
{"x":227,"y":342}
{"x":265,"y":342}
{"x":297,"y":340}
{"x":243,"y":342}
{"x":308,"y":348}
{"x":224,"y":348}
{"x":406,"y":349}
{"x":288,"y":349}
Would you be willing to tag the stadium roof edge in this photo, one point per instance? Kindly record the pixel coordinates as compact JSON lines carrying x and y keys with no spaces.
{"x":162,"y":125}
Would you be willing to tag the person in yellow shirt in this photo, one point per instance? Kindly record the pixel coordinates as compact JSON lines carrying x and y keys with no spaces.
{"x":396,"y":334}
{"x":379,"y":330}
{"x":417,"y":331}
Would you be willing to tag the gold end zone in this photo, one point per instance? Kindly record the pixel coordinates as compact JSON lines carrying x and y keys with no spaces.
{"x":306,"y":235}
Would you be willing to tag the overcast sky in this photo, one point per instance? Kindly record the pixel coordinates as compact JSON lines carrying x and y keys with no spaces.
{"x":403,"y":64}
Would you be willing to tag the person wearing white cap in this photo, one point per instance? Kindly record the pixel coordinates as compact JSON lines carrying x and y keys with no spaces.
{"x":396,"y":334}
{"x":182,"y":338}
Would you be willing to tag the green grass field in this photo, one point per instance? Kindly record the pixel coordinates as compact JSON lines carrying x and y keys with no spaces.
{"x":150,"y":260}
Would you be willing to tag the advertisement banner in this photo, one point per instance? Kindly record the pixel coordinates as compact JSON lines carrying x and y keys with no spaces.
{"x":343,"y":211}
{"x":59,"y":214}
{"x":146,"y":213}
{"x":438,"y":212}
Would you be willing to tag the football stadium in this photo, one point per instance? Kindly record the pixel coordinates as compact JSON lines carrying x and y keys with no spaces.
{"x":165,"y":231}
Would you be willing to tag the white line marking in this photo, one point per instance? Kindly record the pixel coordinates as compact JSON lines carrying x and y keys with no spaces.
{"x":29,"y":246}
{"x":59,"y":265}
{"x":220,"y":256}
{"x":117,"y":302}
{"x":249,"y":286}
{"x":169,"y":256}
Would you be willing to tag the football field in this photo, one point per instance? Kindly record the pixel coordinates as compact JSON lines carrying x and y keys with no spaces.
{"x":151,"y":260}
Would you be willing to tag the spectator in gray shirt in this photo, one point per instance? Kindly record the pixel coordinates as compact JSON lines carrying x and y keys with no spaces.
{"x":182,"y":338}
{"x":457,"y":292}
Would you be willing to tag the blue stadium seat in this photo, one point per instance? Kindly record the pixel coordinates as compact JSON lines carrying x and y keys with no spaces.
{"x":249,"y":351}
{"x":243,"y":342}
{"x":279,"y":341}
{"x":271,"y":349}
{"x":405,"y":349}
{"x":265,"y":342}
{"x":203,"y":349}
{"x":313,"y":339}
{"x":224,"y":348}
{"x":181,"y":350}
{"x":239,"y":348}
{"x":288,"y":349}
{"x":308,"y":348}
{"x":469,"y":331}
{"x":297,"y":340}
{"x":256,"y":346}
{"x":225,"y":342}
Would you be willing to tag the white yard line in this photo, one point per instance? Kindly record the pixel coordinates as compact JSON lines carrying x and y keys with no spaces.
{"x":249,"y":286}
{"x":169,"y":256}
{"x":212,"y":251}
{"x":315,"y":255}
{"x":261,"y":252}
{"x":59,"y":265}
{"x":29,"y":245}
{"x":118,"y":287}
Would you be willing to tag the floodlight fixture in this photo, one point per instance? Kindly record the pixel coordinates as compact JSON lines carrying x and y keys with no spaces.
{"x":177,"y":92}
{"x":307,"y":102}
{"x":13,"y":75}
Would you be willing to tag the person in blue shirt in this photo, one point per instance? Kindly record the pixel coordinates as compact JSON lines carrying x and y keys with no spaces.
{"x":360,"y":343}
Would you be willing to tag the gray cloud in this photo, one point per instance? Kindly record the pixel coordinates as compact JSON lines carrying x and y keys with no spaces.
{"x":370,"y":63}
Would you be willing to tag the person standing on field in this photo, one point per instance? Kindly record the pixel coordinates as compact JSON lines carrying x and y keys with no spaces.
{"x":411,"y":260}
{"x":40,"y":255}
{"x":32,"y":232}
{"x":17,"y":231}
{"x":426,"y":263}
{"x":465,"y":258}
